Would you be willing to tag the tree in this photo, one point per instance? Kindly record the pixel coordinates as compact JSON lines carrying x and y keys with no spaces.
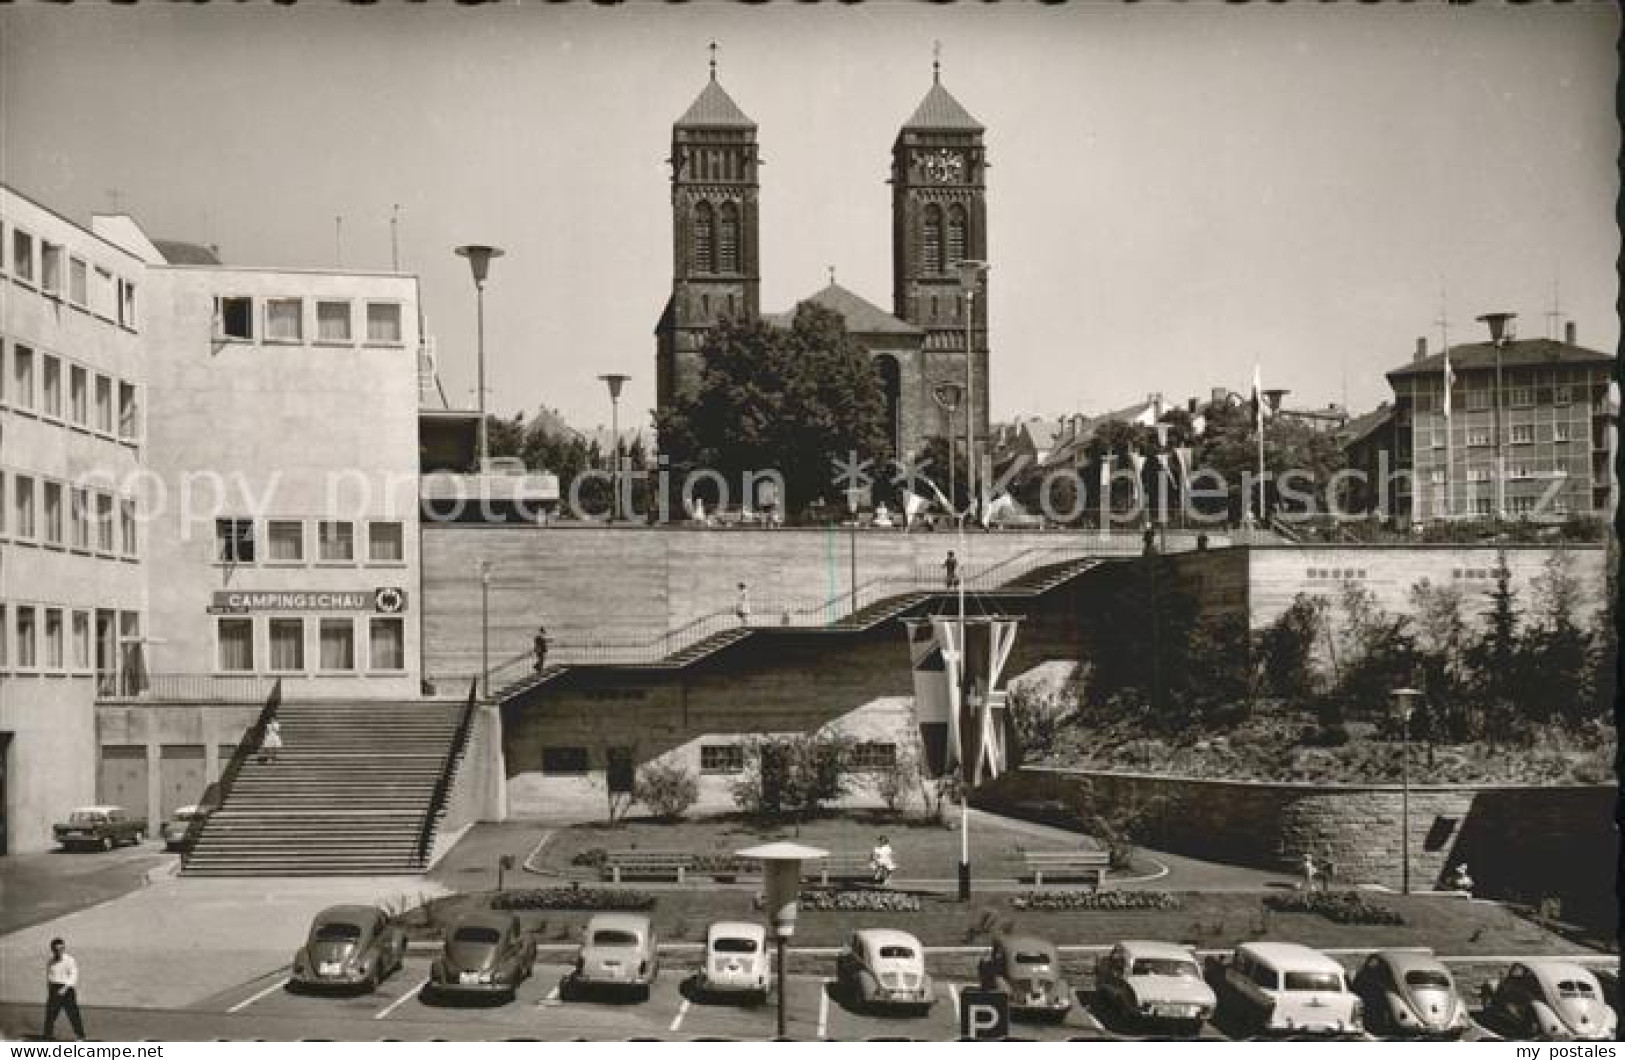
{"x":1229,"y":446}
{"x":1442,"y":637}
{"x":1377,"y":654}
{"x":1559,"y":648}
{"x":1286,"y":648}
{"x":773,"y":399}
{"x":1496,"y":658}
{"x":668,"y":789}
{"x":796,"y":775}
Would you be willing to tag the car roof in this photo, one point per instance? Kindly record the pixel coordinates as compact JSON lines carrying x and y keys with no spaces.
{"x":1026,"y":942}
{"x":1172,"y":951}
{"x":1278,"y":953}
{"x":348,"y":914}
{"x":486,"y":918}
{"x":97,"y":809}
{"x":1553,"y":971}
{"x":1402,"y":961}
{"x":886,"y":937}
{"x":624,"y":921}
{"x":735,"y":929}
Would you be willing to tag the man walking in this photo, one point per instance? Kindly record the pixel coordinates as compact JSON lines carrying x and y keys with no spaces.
{"x":950,"y":570}
{"x":538,"y":646}
{"x":62,"y":991}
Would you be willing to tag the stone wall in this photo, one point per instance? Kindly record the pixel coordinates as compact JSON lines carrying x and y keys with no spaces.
{"x":1519,"y":842}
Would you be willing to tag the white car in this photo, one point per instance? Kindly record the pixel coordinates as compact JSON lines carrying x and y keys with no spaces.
{"x":1158,"y":981}
{"x":736,"y":961}
{"x":1284,"y":987}
{"x":1551,"y":1001}
{"x":881,"y":968}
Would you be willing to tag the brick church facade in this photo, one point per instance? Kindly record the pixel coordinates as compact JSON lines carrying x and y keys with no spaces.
{"x":939,"y":218}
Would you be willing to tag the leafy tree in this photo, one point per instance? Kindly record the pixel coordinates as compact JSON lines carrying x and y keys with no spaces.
{"x":1442,"y":637}
{"x":1559,"y":648}
{"x":794,"y":776}
{"x":1377,"y":654}
{"x":1035,"y":720}
{"x":1497,"y":661}
{"x":775,"y":399}
{"x":1286,"y":648}
{"x":668,"y":789}
{"x":1229,"y":446}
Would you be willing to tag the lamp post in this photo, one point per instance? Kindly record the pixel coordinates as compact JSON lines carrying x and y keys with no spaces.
{"x":1163,"y":478}
{"x":1499,"y":334}
{"x":485,"y":627}
{"x":970,"y":272}
{"x":781,"y":878}
{"x":854,"y":497}
{"x":615,"y":380}
{"x":948,"y":396}
{"x":1404,"y":702}
{"x":479,"y":263}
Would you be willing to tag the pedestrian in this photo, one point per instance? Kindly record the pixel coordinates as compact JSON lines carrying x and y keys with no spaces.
{"x":1308,"y":871}
{"x":271,"y":742}
{"x":538,"y":645}
{"x":62,"y":991}
{"x":1462,"y":880}
{"x":882,"y":862}
{"x":742,"y":609}
{"x":1328,"y":870}
{"x":950,"y":570}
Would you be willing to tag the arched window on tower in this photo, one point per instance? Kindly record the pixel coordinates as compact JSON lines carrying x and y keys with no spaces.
{"x":956,"y":235}
{"x":728,"y":238}
{"x":931,"y":241}
{"x":704,"y":261}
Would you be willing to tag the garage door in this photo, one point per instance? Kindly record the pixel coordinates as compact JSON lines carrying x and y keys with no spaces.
{"x":181,"y":776}
{"x":122,"y":779}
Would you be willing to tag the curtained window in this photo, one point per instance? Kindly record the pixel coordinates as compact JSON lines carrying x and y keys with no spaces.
{"x":384,"y":322}
{"x":287,"y":644}
{"x":286,"y":540}
{"x":283,"y":321}
{"x":26,"y":659}
{"x":337,"y":541}
{"x":338,"y":644}
{"x":956,"y":235}
{"x":54,"y":654}
{"x":236,"y":637}
{"x":387,"y":644}
{"x":333,"y":321}
{"x":384,"y":543}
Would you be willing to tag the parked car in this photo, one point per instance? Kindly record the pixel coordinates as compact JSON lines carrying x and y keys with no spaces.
{"x":180,"y":823}
{"x":1027,"y":970}
{"x":736,"y":961}
{"x":349,"y":946}
{"x":104,"y":827}
{"x":618,"y":950}
{"x":881,"y":968}
{"x":485,"y":954}
{"x":1551,"y":1001}
{"x":1410,"y":992}
{"x":1155,"y":982}
{"x":1281,"y":986}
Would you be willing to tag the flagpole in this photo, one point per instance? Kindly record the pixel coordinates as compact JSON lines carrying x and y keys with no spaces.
{"x":964,"y":772}
{"x":1449,"y":427}
{"x":1258,"y":406}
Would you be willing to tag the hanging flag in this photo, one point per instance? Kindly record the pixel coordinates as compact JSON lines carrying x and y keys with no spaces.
{"x":1138,"y":460}
{"x":1258,"y":397}
{"x":1449,"y":381}
{"x":913,"y":504}
{"x":931,"y":695}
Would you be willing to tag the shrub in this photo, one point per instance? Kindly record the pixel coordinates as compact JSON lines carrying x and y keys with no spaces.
{"x":591,"y":858}
{"x":1327,"y":734}
{"x":860,"y":901}
{"x":794,"y":775}
{"x":668,"y":789}
{"x":1086,"y":900}
{"x":594,"y":899}
{"x":1342,"y":907}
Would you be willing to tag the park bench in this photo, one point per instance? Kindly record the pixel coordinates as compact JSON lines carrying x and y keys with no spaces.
{"x":1088,"y":865}
{"x":646,"y":865}
{"x":845,"y":868}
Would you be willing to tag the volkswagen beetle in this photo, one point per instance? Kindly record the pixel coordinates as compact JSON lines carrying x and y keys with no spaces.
{"x":349,"y":946}
{"x":485,"y":954}
{"x":1027,"y":970}
{"x":618,"y":950}
{"x":881,"y":968}
{"x":1551,"y":1001}
{"x":1410,"y":992}
{"x":736,"y":961}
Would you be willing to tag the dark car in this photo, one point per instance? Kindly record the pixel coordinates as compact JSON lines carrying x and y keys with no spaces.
{"x":102,"y":827}
{"x":1027,"y":970}
{"x":349,"y":946}
{"x":179,"y":826}
{"x":1410,"y":992}
{"x":485,"y":954}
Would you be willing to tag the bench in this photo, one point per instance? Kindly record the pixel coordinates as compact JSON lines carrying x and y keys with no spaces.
{"x":1088,"y":865}
{"x":848,"y":868}
{"x":646,"y":865}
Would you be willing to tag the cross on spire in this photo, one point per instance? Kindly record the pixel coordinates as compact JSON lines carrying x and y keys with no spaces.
{"x":831,"y":269}
{"x":936,"y":62}
{"x":713,"y":47}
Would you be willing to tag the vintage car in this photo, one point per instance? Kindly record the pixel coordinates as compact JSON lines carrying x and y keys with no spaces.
{"x":1410,"y":992}
{"x":1281,"y":986}
{"x":1550,"y":1001}
{"x":1155,"y":981}
{"x":619,"y":951}
{"x":176,"y":829}
{"x":1027,"y":970}
{"x":485,"y":954}
{"x":102,"y":827}
{"x":882,"y":968}
{"x":349,"y":946}
{"x":736,"y":961}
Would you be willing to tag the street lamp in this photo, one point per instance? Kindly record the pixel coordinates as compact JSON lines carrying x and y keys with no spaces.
{"x":484,"y":567}
{"x":970,"y":272}
{"x":781,"y":877}
{"x":948,"y":396}
{"x":1404,"y":703}
{"x":1500,"y":333}
{"x":615,"y":380}
{"x":479,"y":263}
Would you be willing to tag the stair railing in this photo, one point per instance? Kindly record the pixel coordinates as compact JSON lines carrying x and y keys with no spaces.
{"x":248,"y":745}
{"x":442,"y":785}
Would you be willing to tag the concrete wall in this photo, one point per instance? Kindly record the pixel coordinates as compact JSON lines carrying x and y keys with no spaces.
{"x":1522,"y":842}
{"x":152,"y":732}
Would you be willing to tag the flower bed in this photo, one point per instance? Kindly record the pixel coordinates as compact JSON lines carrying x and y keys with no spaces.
{"x":860,"y":901}
{"x":596,"y":899}
{"x":1086,"y":900}
{"x":1342,"y":907}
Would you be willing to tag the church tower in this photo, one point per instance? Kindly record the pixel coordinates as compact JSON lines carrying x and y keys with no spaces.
{"x":715,"y":264}
{"x":939,"y":218}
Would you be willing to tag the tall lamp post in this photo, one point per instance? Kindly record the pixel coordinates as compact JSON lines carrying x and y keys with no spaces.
{"x":1404,"y":703}
{"x":615,"y":380}
{"x":1499,"y":334}
{"x":970,"y":272}
{"x":948,"y":396}
{"x":479,"y":263}
{"x":485,"y":627}
{"x":781,"y":878}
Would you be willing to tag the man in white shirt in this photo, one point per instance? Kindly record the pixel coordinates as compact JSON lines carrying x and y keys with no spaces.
{"x":882,"y":862}
{"x":62,"y":990}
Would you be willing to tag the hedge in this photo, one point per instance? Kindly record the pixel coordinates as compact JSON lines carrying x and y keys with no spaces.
{"x":596,"y":899}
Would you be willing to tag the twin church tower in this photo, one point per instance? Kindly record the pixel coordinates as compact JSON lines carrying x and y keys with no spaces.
{"x":939,"y":217}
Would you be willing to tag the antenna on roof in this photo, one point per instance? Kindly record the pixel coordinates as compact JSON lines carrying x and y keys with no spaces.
{"x":1554,"y":315}
{"x":394,"y":239}
{"x":338,"y":241}
{"x":1442,"y":321}
{"x":713,"y":47}
{"x":936,"y":62}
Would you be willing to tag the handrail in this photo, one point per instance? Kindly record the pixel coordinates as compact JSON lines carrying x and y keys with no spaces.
{"x":251,"y":741}
{"x":442,"y":784}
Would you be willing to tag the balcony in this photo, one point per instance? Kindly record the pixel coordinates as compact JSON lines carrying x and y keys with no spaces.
{"x":129,"y":688}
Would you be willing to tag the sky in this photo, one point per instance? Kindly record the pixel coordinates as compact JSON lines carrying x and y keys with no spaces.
{"x":1175,"y":194}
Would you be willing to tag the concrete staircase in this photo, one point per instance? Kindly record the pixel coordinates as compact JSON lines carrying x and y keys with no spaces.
{"x":1041,"y":580}
{"x":346,"y":796}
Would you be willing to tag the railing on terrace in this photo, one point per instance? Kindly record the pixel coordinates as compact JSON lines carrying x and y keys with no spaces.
{"x":448,"y":770}
{"x":184,"y":688}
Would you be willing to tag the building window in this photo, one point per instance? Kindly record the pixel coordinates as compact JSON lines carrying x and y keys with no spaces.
{"x":338,"y":644}
{"x":78,"y":288}
{"x":285,"y":541}
{"x":1562,"y":432}
{"x":234,"y":540}
{"x":703,"y":239}
{"x":728,"y":238}
{"x":22,"y":375}
{"x":336,"y":542}
{"x":53,"y":513}
{"x":126,"y":304}
{"x":564,"y":761}
{"x":956,"y":234}
{"x":4,"y":518}
{"x":129,"y":541}
{"x":104,"y":404}
{"x":722,"y":758}
{"x":931,"y":240}
{"x":50,"y":385}
{"x":332,"y":321}
{"x":1520,"y":395}
{"x":1479,"y":473}
{"x":1478,"y":400}
{"x":1523,"y":433}
{"x":103,"y":298}
{"x":1478,"y":436}
{"x":287,"y":644}
{"x":50,"y":267}
{"x":104,"y":523}
{"x":5,"y":638}
{"x":80,"y":514}
{"x":23,"y":490}
{"x":129,"y":416}
{"x":236,"y":639}
{"x":1436,"y":476}
{"x":27,"y":633}
{"x":384,"y":543}
{"x":234,"y":318}
{"x":1563,"y":395}
{"x":874,"y":757}
{"x":384,"y":323}
{"x":1481,"y":506}
{"x":22,"y":255}
{"x":386,"y":644}
{"x":284,"y":320}
{"x":81,"y":640}
{"x":55,"y":650}
{"x":79,"y":395}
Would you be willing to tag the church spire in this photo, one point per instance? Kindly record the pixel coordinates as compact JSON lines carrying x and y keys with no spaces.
{"x":936,"y":62}
{"x":713,"y":60}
